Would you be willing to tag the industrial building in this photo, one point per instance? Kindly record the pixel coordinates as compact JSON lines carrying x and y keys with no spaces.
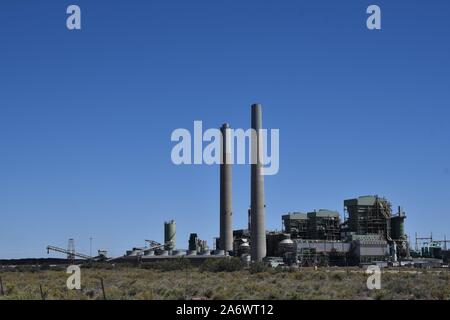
{"x":318,"y":225}
{"x":368,"y":215}
{"x":296,"y":224}
{"x":324,"y":225}
{"x":320,"y":237}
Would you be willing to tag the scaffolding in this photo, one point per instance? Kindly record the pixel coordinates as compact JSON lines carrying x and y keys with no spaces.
{"x":324,"y":225}
{"x":296,"y":224}
{"x":369,"y":215}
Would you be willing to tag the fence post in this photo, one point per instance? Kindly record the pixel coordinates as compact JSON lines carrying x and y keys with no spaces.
{"x":103,"y":289}
{"x":2,"y":291}
{"x":42,"y":292}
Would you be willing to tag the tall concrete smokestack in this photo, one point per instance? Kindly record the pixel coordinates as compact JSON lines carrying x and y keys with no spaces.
{"x":226,"y":210}
{"x":258,"y":227}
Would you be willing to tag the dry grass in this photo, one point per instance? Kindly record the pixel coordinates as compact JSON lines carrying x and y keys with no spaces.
{"x":136,"y":283}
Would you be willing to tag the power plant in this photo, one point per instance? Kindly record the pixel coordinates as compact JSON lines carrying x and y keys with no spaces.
{"x":369,"y":233}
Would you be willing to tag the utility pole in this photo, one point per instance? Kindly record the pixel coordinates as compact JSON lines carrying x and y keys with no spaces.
{"x":90,"y":246}
{"x":417,"y":244}
{"x":71,"y":251}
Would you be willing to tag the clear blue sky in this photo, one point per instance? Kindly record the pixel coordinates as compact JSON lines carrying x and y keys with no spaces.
{"x":86,"y":116}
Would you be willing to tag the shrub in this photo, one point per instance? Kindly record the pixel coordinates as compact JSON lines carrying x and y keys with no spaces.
{"x":299,"y":276}
{"x":169,"y":265}
{"x":98,"y":265}
{"x":337,"y":276}
{"x":222,"y":265}
{"x":258,"y":267}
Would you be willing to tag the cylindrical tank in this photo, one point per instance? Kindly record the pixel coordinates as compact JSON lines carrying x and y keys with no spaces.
{"x":169,"y":235}
{"x":206,"y":253}
{"x":286,"y":245}
{"x":273,"y":240}
{"x":244,"y":248}
{"x":164,"y":253}
{"x":192,"y":252}
{"x":397,"y":227}
{"x":149,"y":253}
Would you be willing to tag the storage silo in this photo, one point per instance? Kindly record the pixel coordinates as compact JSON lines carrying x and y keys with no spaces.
{"x":169,"y":235}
